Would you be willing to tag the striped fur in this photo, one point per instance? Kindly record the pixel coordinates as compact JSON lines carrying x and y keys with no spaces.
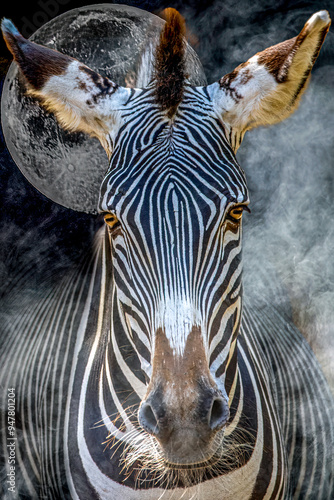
{"x":70,"y":457}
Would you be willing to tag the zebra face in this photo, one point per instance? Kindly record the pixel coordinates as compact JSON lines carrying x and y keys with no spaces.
{"x":173,"y":206}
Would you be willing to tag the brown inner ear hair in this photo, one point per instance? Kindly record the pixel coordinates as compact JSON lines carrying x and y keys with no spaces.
{"x":169,"y":65}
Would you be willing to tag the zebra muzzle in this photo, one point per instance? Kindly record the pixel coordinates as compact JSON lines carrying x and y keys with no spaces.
{"x":183,"y":407}
{"x":185,"y":434}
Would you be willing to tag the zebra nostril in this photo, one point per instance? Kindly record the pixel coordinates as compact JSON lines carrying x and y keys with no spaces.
{"x":219,"y":413}
{"x":147,"y":419}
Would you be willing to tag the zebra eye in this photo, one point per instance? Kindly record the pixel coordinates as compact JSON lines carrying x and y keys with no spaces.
{"x":235,"y":213}
{"x":111,"y":220}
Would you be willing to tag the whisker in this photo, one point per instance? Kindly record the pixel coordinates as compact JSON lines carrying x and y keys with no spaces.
{"x":141,"y":456}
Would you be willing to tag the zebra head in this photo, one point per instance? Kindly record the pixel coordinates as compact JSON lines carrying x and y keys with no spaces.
{"x":173,"y":199}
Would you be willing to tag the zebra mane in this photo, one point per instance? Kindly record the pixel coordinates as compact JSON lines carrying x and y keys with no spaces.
{"x":169,"y":64}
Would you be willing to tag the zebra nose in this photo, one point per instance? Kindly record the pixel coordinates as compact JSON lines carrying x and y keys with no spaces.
{"x":148,"y":419}
{"x":218,"y":413}
{"x":153,"y":420}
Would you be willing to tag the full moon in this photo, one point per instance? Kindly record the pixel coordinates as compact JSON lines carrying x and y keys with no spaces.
{"x":66,"y":167}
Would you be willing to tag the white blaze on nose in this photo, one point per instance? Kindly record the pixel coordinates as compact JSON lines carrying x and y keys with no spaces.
{"x":177,"y":316}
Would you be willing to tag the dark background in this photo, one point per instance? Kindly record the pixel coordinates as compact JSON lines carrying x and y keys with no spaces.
{"x":289,"y":167}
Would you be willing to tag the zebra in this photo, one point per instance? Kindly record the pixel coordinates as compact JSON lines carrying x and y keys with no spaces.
{"x":146,"y":374}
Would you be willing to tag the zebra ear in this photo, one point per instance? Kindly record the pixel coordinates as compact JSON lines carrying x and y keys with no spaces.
{"x":81,"y":99}
{"x":267,"y":88}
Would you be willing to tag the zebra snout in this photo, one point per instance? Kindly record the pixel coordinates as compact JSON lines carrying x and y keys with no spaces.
{"x":186,"y":428}
{"x":183,"y":408}
{"x":210,"y":416}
